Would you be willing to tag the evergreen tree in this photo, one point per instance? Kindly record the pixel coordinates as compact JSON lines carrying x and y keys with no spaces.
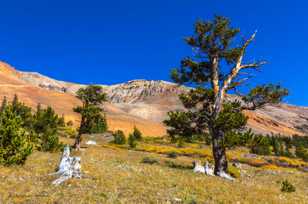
{"x":61,"y":121}
{"x":23,"y":111}
{"x":92,"y":118}
{"x":3,"y":105}
{"x":137,"y":133}
{"x":214,"y":69}
{"x":46,"y":126}
{"x":15,"y":142}
{"x":119,"y":137}
{"x":301,"y":152}
{"x":132,"y":141}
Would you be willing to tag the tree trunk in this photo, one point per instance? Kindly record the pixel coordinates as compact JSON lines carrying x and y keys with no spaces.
{"x":69,"y":167}
{"x":219,"y":151}
{"x":80,"y":132}
{"x":77,"y":142}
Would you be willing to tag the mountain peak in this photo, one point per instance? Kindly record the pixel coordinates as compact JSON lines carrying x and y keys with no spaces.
{"x":140,"y":102}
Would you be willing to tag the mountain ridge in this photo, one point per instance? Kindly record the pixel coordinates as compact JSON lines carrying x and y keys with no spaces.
{"x":141,"y":103}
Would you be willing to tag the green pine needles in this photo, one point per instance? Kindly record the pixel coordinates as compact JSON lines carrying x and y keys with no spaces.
{"x":15,"y":142}
{"x":93,"y":119}
{"x":22,"y":131}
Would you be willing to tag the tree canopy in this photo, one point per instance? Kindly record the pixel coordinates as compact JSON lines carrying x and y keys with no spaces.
{"x":92,"y":118}
{"x":217,"y":66}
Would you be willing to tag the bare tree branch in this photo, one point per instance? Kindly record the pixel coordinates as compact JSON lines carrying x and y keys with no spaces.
{"x":238,"y":83}
{"x":253,"y":65}
{"x":235,"y":71}
{"x":215,"y":76}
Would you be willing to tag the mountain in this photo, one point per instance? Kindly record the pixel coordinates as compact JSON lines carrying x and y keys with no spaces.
{"x":139,"y":103}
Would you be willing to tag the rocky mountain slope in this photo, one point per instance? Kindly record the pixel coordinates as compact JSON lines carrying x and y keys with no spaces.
{"x":138,"y":103}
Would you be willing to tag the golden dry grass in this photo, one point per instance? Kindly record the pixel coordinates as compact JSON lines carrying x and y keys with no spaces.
{"x":115,"y":175}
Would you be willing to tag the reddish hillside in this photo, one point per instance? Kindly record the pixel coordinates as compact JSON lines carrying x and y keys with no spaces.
{"x":138,"y":103}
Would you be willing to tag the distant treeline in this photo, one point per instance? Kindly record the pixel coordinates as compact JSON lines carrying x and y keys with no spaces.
{"x":278,"y":145}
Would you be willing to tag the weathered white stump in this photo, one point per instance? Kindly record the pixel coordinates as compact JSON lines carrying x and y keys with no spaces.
{"x":69,"y":167}
{"x":209,"y":170}
{"x":198,"y":168}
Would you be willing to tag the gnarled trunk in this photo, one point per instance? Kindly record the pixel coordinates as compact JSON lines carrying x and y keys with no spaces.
{"x":80,"y":131}
{"x":77,"y":141}
{"x":219,"y":151}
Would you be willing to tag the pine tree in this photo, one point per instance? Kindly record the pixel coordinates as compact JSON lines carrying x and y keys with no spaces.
{"x":46,"y":126}
{"x":23,"y":111}
{"x":4,"y":104}
{"x":214,"y":69}
{"x":92,"y":118}
{"x":15,"y":142}
{"x":132,"y":141}
{"x":137,"y":133}
{"x":119,"y":137}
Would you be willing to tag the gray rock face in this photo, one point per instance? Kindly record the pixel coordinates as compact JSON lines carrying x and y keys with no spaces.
{"x":139,"y":90}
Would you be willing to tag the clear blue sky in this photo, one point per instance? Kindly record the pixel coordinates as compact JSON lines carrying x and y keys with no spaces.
{"x":108,"y":42}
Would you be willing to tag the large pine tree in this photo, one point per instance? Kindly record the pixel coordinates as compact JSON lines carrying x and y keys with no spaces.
{"x":93,"y":119}
{"x":216,"y":67}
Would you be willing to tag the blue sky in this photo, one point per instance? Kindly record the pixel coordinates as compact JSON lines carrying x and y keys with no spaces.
{"x":108,"y":42}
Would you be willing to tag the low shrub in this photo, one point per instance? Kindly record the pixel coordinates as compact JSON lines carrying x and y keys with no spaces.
{"x":177,"y":165}
{"x":137,"y":134}
{"x":301,"y":152}
{"x":149,"y":160}
{"x":261,"y":149}
{"x":180,"y":143}
{"x":119,"y":137}
{"x":172,"y":155}
{"x":132,"y":141}
{"x":287,"y":187}
{"x":68,"y":132}
{"x":49,"y":141}
{"x":233,"y":171}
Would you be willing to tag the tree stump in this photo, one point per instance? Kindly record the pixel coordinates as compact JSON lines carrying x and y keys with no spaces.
{"x":69,"y":167}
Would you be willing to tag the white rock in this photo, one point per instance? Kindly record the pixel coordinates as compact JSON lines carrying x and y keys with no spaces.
{"x":198,"y":168}
{"x":91,"y":142}
{"x":224,"y":175}
{"x":209,"y":170}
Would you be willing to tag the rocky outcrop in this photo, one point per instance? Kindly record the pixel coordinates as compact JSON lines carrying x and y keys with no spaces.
{"x":139,"y":90}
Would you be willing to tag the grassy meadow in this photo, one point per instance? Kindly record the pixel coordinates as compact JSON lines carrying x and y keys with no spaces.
{"x":116,"y":174}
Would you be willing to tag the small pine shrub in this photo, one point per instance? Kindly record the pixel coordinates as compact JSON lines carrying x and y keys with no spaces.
{"x":69,"y":132}
{"x":180,"y":143}
{"x":46,"y":126}
{"x":286,"y":186}
{"x":15,"y":143}
{"x":232,"y":139}
{"x":49,"y":141}
{"x":177,"y":165}
{"x":149,"y":160}
{"x":260,"y":145}
{"x":172,"y":155}
{"x":132,"y":141}
{"x":261,"y":149}
{"x":137,"y":134}
{"x":119,"y":137}
{"x":301,"y":152}
{"x":234,"y":172}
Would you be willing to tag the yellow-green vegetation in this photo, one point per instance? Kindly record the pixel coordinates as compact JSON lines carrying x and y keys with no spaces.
{"x":196,"y":150}
{"x":120,"y":175}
